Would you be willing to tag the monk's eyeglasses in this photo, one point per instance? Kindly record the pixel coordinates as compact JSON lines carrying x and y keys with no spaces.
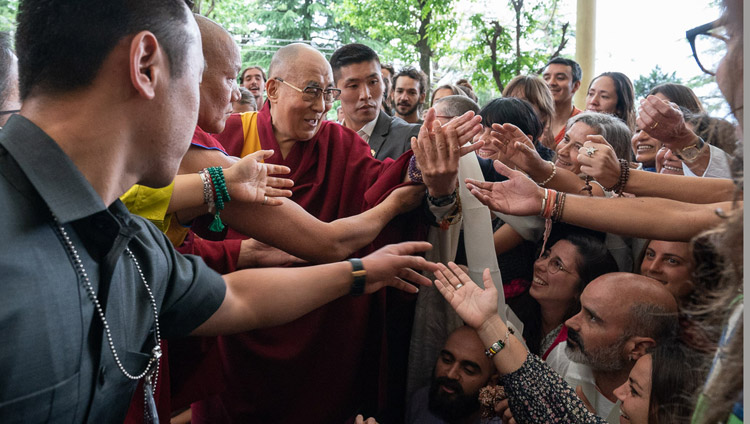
{"x":311,"y":93}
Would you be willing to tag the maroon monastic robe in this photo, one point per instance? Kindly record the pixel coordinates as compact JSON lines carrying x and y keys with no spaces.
{"x":327,"y":365}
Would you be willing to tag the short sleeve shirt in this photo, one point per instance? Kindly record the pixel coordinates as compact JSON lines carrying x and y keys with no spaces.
{"x":56,"y":364}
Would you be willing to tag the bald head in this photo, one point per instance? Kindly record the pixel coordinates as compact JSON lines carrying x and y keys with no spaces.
{"x":290,"y":58}
{"x":218,"y":86}
{"x":647,"y":307}
{"x":629,"y":289}
{"x":217,"y":42}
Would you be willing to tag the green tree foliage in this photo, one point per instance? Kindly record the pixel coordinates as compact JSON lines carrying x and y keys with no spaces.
{"x":262,"y":27}
{"x":410,"y":30}
{"x":657,"y":76}
{"x":521,"y":45}
{"x":8,"y":9}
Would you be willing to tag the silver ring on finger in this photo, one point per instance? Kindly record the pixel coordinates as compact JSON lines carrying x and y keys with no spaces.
{"x":459,"y":285}
{"x":265,"y":199}
{"x":590,"y":151}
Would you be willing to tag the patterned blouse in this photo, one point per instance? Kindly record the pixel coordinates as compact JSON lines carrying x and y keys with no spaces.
{"x":537,"y":394}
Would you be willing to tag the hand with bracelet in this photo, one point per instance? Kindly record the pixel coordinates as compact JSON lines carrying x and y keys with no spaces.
{"x":664,"y":121}
{"x":249,"y":180}
{"x":604,"y":167}
{"x":438,"y":148}
{"x":477,"y":307}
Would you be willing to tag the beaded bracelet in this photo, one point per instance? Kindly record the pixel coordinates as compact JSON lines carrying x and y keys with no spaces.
{"x":415,"y":174}
{"x":551,"y":176}
{"x":499,"y":345}
{"x":557,"y":213}
{"x":623,"y":179}
{"x":208,"y":190}
{"x":221,"y":196}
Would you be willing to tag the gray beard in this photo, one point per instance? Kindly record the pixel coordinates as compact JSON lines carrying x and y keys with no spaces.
{"x":607,"y":359}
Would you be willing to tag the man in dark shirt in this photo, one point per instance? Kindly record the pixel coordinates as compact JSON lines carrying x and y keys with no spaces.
{"x":88,"y":289}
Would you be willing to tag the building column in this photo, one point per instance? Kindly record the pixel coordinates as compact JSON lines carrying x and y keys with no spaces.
{"x":585,"y":47}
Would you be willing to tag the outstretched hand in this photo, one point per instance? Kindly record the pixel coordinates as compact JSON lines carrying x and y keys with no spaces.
{"x":664,"y":121}
{"x":248,"y":180}
{"x":438,"y":149}
{"x":473,"y":304}
{"x":602,"y":165}
{"x":392,"y":264}
{"x":518,"y":195}
{"x":516,"y":149}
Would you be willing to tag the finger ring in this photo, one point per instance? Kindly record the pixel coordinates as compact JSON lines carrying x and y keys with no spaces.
{"x":590,"y":151}
{"x":656,"y":124}
{"x":265,"y":199}
{"x":459,"y":285}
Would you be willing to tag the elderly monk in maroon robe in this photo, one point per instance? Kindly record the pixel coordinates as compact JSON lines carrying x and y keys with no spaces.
{"x":323,"y":367}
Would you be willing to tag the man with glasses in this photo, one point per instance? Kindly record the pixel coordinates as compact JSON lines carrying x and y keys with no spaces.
{"x":340,"y":345}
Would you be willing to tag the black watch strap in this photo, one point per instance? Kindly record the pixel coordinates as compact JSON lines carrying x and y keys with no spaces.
{"x":360,"y":275}
{"x":443,"y":200}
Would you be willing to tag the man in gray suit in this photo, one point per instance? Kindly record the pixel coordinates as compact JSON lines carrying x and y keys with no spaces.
{"x":356,"y":72}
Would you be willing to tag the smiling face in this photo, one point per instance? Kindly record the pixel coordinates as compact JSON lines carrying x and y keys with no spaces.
{"x":461,"y":370}
{"x":556,"y":278}
{"x":559,"y":78}
{"x":669,"y":263}
{"x":668,"y":163}
{"x":253,"y":81}
{"x":361,"y":87}
{"x":645,"y":148}
{"x":567,"y":149}
{"x":636,"y":392}
{"x":602,"y":96}
{"x":294,"y":118}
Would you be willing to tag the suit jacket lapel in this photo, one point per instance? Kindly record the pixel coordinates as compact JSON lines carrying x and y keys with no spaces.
{"x":380,"y":132}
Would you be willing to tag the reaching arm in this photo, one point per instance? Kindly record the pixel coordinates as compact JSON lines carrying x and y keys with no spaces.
{"x":651,"y":218}
{"x":265,"y":297}
{"x":535,"y":392}
{"x":604,"y":167}
{"x":518,"y":151}
{"x":290,"y":228}
{"x":247,"y":180}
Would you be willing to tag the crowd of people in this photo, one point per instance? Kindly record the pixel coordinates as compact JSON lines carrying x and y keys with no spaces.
{"x":188,"y":240}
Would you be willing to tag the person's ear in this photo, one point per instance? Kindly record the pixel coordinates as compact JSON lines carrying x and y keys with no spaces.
{"x":576,"y":86}
{"x":638,"y":346}
{"x":272,"y":90}
{"x":148,"y":64}
{"x":421,"y":97}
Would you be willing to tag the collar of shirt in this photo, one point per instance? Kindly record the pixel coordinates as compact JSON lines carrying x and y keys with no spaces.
{"x":366,"y":131}
{"x":50,"y":171}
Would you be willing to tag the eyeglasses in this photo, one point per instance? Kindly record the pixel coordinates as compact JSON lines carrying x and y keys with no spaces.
{"x":311,"y":94}
{"x":709,"y":44}
{"x":554,"y":265}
